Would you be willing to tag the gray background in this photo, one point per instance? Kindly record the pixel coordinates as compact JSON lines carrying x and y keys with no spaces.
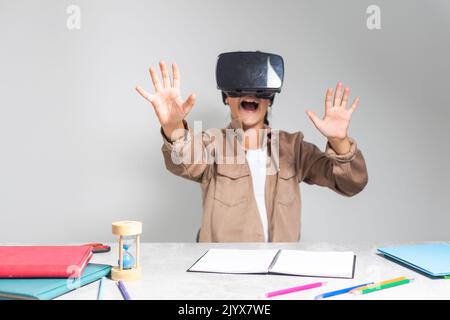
{"x":80,"y":148}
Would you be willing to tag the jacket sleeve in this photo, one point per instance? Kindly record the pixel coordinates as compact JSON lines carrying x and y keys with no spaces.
{"x":346,"y":174}
{"x":190,"y":156}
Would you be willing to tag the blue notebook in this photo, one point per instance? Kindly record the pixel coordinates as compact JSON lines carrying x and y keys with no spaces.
{"x":430,"y":258}
{"x":49,"y":288}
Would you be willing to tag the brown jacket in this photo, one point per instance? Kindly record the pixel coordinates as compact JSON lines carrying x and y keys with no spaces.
{"x":230,"y":211}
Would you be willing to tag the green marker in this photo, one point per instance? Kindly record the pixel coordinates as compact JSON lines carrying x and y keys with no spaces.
{"x":384,"y":286}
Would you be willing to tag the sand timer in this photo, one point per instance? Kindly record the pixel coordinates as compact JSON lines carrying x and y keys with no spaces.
{"x":129,"y":233}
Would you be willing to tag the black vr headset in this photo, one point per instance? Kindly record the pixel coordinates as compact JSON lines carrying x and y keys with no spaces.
{"x":249,"y":73}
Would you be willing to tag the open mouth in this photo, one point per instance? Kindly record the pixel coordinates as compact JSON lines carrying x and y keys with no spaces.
{"x":249,"y":105}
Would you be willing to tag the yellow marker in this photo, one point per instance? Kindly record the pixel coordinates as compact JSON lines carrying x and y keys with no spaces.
{"x":377,"y":284}
{"x":384,"y":286}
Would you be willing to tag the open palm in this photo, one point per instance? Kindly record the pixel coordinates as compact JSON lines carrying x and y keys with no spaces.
{"x":170,"y":108}
{"x":335,"y":123}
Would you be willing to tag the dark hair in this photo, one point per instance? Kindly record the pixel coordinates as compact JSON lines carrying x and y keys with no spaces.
{"x":266,"y":120}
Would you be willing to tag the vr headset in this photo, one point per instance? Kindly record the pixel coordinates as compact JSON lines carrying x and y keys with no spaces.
{"x":255,"y":73}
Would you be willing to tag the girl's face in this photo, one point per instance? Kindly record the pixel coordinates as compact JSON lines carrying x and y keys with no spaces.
{"x":249,"y":110}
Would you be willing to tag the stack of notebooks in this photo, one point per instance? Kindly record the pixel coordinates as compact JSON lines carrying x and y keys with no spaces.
{"x":273,"y":261}
{"x":46,"y":272}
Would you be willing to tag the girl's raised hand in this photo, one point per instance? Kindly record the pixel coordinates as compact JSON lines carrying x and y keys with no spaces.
{"x":334,"y":125}
{"x":170,"y":108}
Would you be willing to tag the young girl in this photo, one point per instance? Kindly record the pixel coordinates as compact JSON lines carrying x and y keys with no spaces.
{"x":246,"y":201}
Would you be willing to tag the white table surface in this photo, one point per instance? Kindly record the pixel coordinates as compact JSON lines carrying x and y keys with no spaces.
{"x":164,"y":268}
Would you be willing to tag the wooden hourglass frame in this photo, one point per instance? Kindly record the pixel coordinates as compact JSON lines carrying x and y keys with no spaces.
{"x":126,"y":229}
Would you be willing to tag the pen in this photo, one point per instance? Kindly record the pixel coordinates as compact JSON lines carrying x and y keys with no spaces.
{"x":123,"y":290}
{"x":341,"y":291}
{"x":295,"y":289}
{"x":383,"y":286}
{"x":100,"y":289}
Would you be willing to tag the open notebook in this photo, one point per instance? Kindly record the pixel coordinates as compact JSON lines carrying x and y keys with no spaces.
{"x":289,"y":262}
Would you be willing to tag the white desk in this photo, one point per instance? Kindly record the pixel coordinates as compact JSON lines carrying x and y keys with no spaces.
{"x":164,"y":276}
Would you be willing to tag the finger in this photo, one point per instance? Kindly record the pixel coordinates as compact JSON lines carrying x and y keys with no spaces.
{"x":314,"y":118}
{"x":345,"y":97}
{"x":338,"y":95}
{"x":328,"y":99}
{"x":176,"y":76}
{"x":155,"y":80}
{"x":147,"y":96}
{"x":189,"y":103}
{"x":354,"y":105}
{"x":165,"y":74}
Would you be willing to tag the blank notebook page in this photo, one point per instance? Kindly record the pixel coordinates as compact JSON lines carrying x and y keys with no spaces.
{"x":235,"y":261}
{"x":315,"y":264}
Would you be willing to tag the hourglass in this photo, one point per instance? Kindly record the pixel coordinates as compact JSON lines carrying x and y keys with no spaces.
{"x":129,"y":233}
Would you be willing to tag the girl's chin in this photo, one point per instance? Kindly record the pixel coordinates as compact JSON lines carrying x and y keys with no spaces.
{"x":250,"y":121}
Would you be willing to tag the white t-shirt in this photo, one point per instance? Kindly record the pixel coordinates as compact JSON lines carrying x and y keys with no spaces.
{"x":256,"y":159}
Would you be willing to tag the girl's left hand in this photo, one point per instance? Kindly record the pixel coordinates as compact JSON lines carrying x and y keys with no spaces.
{"x":334,"y":124}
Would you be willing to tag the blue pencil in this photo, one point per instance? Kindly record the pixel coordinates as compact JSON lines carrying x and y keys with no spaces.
{"x":342,"y":291}
{"x":100,"y":289}
{"x":123,"y":290}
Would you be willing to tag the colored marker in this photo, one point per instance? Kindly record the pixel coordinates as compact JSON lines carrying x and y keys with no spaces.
{"x":383,"y":286}
{"x":295,"y":289}
{"x":100,"y":289}
{"x":342,"y":291}
{"x":379,"y":284}
{"x":123,"y":290}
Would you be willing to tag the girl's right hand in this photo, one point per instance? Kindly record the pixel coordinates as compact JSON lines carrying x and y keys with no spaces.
{"x":167,"y":102}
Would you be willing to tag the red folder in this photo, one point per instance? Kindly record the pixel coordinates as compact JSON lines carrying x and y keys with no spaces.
{"x":43,"y":261}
